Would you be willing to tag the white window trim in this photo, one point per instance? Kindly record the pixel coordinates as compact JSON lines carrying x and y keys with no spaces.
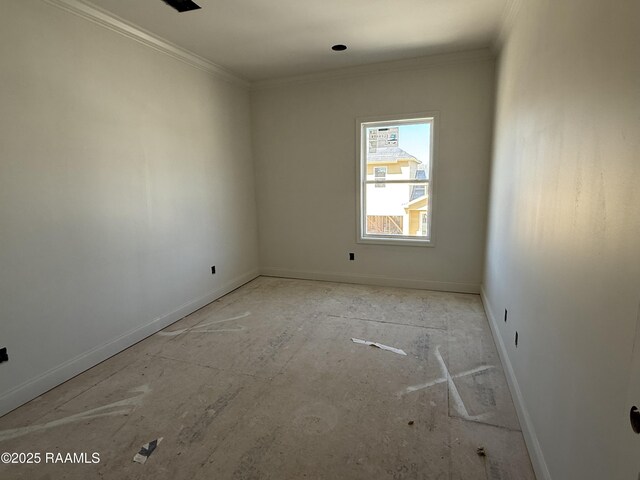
{"x":409,"y":118}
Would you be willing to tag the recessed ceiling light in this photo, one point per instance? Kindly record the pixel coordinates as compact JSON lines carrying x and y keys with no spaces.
{"x":339,"y":48}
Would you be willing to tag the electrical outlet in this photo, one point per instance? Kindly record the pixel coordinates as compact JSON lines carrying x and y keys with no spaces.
{"x":213,"y":270}
{"x":4,"y":356}
{"x":352,"y":256}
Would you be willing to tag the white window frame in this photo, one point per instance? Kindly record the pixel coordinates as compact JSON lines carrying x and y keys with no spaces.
{"x":361,"y":177}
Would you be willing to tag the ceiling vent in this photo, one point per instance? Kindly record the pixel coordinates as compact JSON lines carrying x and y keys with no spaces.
{"x":182,"y":5}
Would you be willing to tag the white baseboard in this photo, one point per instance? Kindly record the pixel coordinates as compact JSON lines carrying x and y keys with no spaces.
{"x":69,"y":369}
{"x":380,"y":280}
{"x":535,"y":451}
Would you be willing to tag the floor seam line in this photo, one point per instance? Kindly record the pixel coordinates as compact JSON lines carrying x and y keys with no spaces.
{"x":389,"y":323}
{"x":478,"y":422}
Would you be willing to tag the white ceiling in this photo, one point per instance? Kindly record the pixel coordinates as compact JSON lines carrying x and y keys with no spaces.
{"x":260,"y":39}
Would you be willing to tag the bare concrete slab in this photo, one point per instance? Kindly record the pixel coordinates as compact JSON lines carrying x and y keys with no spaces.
{"x":254,"y":338}
{"x":265,"y":383}
{"x":505,"y":455}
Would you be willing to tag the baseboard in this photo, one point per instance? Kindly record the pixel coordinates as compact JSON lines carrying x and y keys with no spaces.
{"x":535,"y":451}
{"x":379,"y":280}
{"x":69,"y":369}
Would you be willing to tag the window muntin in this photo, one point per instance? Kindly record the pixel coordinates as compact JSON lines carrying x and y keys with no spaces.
{"x":395,"y":185}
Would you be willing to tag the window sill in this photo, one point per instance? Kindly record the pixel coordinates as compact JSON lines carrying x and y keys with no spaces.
{"x":402,"y":241}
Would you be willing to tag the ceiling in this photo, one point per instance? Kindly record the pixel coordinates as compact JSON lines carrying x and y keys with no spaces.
{"x":258,"y":39}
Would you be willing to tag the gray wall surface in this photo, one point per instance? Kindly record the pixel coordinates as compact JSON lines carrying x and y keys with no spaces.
{"x":563,"y":249}
{"x":304,"y":139}
{"x":124,"y":175}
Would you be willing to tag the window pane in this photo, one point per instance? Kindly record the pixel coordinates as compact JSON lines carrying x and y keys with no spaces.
{"x":403,"y":151}
{"x":397,"y":209}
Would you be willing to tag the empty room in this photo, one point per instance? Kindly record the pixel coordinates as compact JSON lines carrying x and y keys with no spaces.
{"x":320,"y":240}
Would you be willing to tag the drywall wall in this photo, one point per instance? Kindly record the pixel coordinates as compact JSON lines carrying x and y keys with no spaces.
{"x":124,"y":175}
{"x":304,"y":140}
{"x":563,"y":249}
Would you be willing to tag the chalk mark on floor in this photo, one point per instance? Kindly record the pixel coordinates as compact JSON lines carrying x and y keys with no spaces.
{"x":201,"y":328}
{"x":453,"y":390}
{"x":121,"y":407}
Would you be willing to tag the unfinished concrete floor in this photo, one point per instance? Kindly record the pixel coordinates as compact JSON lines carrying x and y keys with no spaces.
{"x":265,"y":383}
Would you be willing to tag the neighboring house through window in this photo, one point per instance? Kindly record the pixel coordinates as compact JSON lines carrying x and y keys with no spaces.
{"x":395,"y":184}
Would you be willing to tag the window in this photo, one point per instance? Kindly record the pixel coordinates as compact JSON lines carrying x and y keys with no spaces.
{"x":380,"y":173}
{"x":395,"y":179}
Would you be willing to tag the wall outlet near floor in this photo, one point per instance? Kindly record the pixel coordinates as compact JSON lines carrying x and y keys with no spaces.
{"x":213,"y":269}
{"x":4,"y":356}
{"x":352,"y":256}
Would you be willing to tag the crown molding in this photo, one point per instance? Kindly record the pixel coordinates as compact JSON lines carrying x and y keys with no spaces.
{"x":95,"y":14}
{"x":417,"y":63}
{"x":507,"y":20}
{"x":114,"y":23}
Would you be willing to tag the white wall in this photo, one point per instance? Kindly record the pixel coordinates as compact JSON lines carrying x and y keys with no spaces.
{"x":124,"y":175}
{"x":304,"y":142}
{"x":563,"y":249}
